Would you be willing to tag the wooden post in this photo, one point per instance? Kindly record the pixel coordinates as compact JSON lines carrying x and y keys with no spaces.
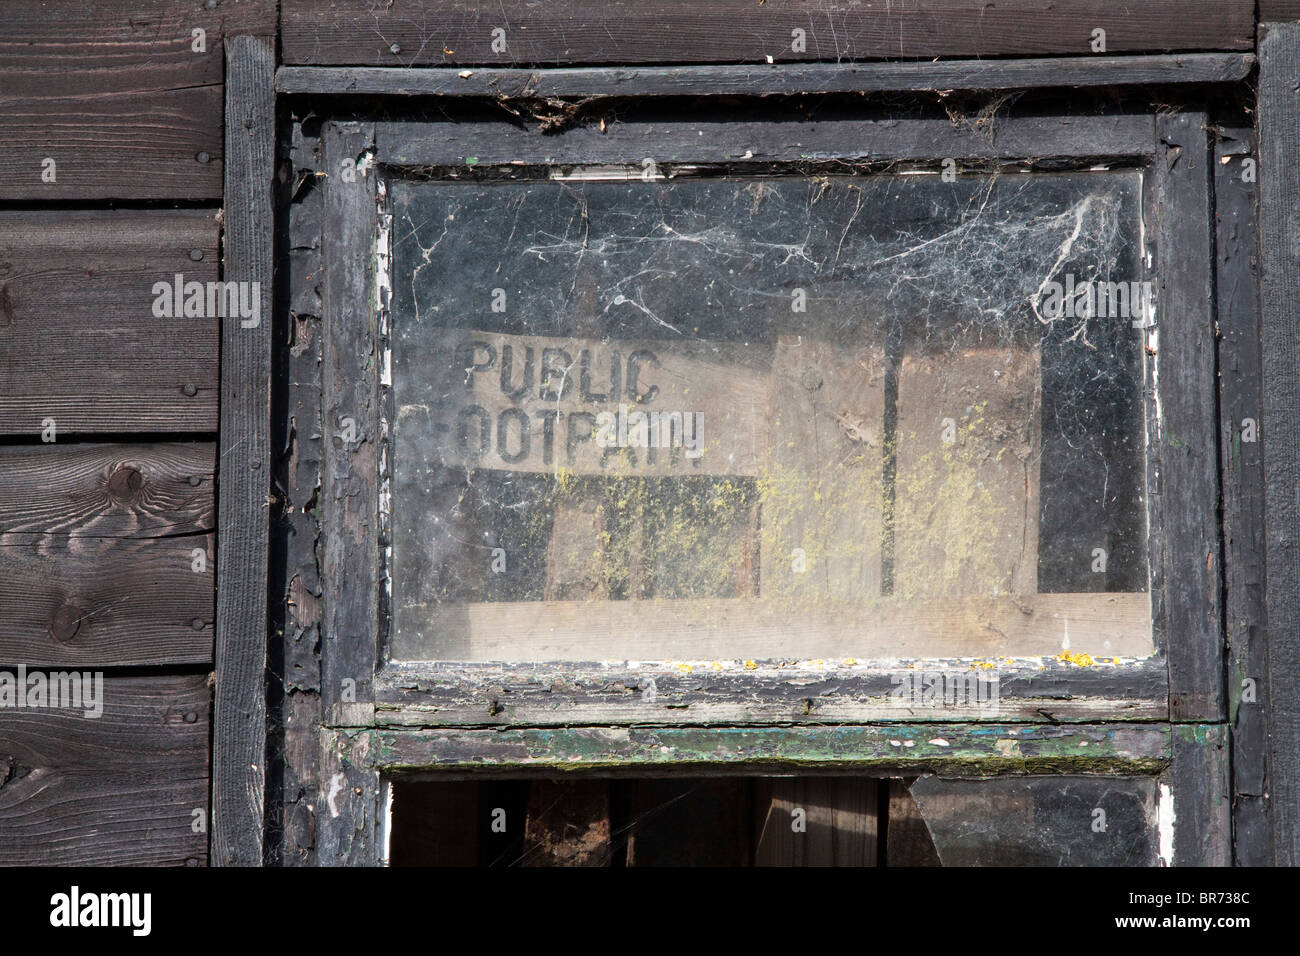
{"x":1279,"y":194}
{"x":239,"y":719}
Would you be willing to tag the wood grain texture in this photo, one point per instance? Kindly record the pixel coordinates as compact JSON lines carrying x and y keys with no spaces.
{"x":121,"y":94}
{"x":907,"y":838}
{"x":457,"y":32}
{"x":79,"y":339}
{"x":108,"y":491}
{"x":1279,"y":194}
{"x":815,"y":821}
{"x":720,"y":140}
{"x":1240,"y":454}
{"x":239,"y":719}
{"x":1189,"y":452}
{"x":763,"y":80}
{"x":120,"y":790}
{"x":105,"y":602}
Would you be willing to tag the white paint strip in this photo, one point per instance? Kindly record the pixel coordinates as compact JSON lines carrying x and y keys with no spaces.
{"x":1165,"y":819}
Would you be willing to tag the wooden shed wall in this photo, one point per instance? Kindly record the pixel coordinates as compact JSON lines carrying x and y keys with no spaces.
{"x":99,"y":528}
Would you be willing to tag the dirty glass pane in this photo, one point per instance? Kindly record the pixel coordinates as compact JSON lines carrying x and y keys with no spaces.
{"x":1041,"y":821}
{"x":730,"y":418}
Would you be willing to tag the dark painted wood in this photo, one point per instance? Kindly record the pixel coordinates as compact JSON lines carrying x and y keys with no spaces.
{"x":1188,"y":439}
{"x":1278,"y":10}
{"x":722,"y":140}
{"x":544,"y":694}
{"x":457,"y":32}
{"x":764,"y":80}
{"x":105,"y":602}
{"x":239,"y":720}
{"x":81,"y":343}
{"x":1278,"y":122}
{"x":1202,"y":795}
{"x":108,"y":491}
{"x":122,"y":789}
{"x":120,"y":94}
{"x":299,"y":449}
{"x":349,"y":496}
{"x":1241,"y":453}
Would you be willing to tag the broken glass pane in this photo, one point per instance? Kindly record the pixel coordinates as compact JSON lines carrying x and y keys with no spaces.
{"x":748,"y":418}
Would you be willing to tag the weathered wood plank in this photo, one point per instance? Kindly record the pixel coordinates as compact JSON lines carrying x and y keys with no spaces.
{"x":1032,"y":625}
{"x":716,"y":140}
{"x":105,"y":602}
{"x":123,"y":96}
{"x":128,"y":788}
{"x":1189,"y":428}
{"x":816,"y":821}
{"x":750,"y":80}
{"x":108,"y":491}
{"x":1202,"y":795}
{"x":990,"y":748}
{"x":1240,"y":454}
{"x":531,"y":694}
{"x":1279,"y":195}
{"x":164,"y":145}
{"x":239,"y":719}
{"x":447,"y":32}
{"x":348,"y":833}
{"x":82,"y":344}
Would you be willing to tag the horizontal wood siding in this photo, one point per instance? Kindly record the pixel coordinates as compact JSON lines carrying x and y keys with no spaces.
{"x":80,"y":341}
{"x":120,"y":789}
{"x":459,"y":32}
{"x":121,"y":94}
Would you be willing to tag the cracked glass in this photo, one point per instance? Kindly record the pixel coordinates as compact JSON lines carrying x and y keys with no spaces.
{"x":777,"y":417}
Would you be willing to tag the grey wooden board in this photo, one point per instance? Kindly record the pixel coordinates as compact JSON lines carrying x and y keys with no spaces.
{"x":81,"y":343}
{"x":764,"y":80}
{"x":447,"y":32}
{"x":456,"y":144}
{"x":1193,"y":565}
{"x":239,"y":720}
{"x":1237,"y":291}
{"x":538,"y":694}
{"x":1279,"y":192}
{"x":105,"y":602}
{"x":122,"y":789}
{"x":108,"y":491}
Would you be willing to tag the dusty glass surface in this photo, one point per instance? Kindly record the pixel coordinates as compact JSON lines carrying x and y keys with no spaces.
{"x":858,"y":417}
{"x":1041,"y":821}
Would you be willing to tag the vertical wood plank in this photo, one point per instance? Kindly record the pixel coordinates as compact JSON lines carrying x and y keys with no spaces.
{"x":1189,"y":451}
{"x":1278,"y":120}
{"x":239,"y":719}
{"x":349,"y":483}
{"x":1240,"y":452}
{"x":700,"y":822}
{"x":838,"y":818}
{"x":1202,"y":795}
